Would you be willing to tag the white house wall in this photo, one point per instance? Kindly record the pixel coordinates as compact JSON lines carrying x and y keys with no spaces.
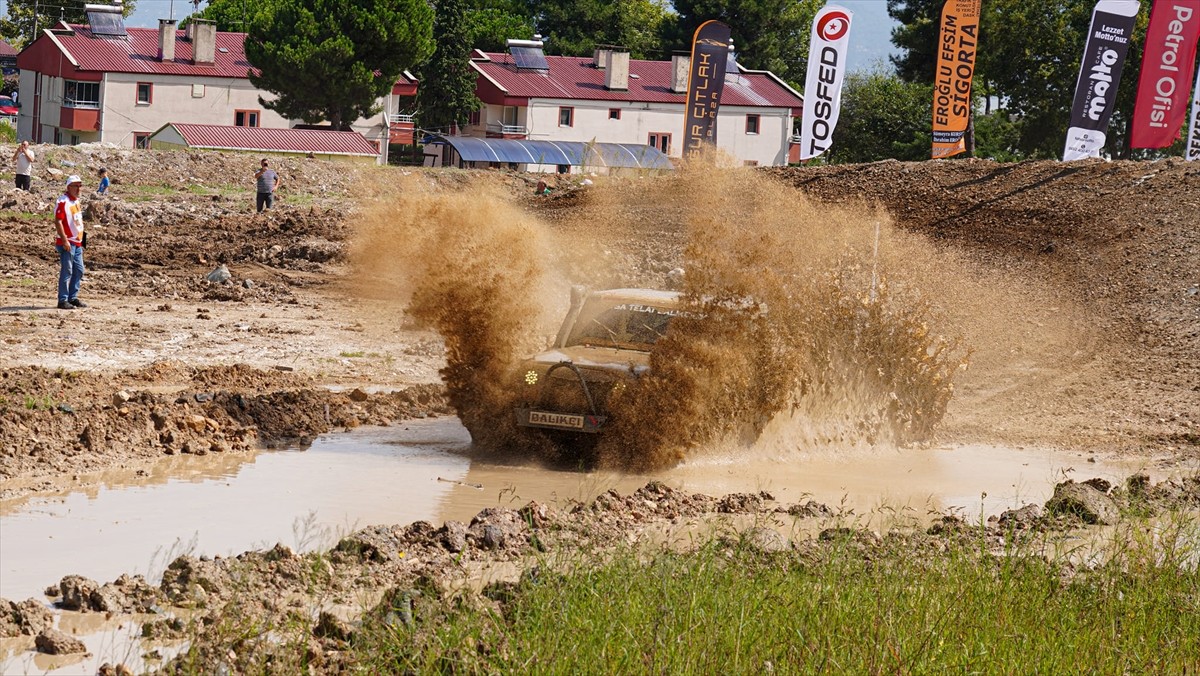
{"x":172,"y":101}
{"x":639,"y":120}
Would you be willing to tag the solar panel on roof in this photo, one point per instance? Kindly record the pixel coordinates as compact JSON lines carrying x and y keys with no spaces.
{"x":106,"y":21}
{"x":731,"y":65}
{"x":531,"y":58}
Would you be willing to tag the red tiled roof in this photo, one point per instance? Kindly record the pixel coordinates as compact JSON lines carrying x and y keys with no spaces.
{"x":7,"y":49}
{"x":573,"y":77}
{"x":318,"y":141}
{"x":139,"y":54}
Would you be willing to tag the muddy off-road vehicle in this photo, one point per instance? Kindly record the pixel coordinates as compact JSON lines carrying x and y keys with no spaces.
{"x":602,"y":348}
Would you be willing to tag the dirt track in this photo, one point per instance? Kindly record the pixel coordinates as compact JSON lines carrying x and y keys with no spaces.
{"x":1112,"y":249}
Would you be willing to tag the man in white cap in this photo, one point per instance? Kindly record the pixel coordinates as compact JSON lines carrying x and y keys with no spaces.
{"x":68,"y":218}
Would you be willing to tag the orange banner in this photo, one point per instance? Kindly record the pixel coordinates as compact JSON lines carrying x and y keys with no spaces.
{"x":955,"y":70}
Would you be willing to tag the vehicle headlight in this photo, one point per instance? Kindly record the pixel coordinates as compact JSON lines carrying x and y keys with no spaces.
{"x":531,"y":377}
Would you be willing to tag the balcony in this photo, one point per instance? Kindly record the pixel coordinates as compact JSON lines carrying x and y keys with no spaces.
{"x":400,"y":128}
{"x":497,"y":130}
{"x":79,"y":118}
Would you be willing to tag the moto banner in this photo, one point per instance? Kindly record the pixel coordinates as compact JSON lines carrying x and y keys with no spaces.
{"x":1099,"y":76}
{"x":1167,"y":66}
{"x":706,"y":80}
{"x":823,"y":84}
{"x":958,"y":41}
{"x":1191,"y":150}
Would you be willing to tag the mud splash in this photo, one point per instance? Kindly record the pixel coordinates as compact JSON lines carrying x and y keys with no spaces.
{"x":798,"y":310}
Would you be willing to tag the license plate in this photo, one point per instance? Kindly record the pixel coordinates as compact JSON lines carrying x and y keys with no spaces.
{"x":563,"y":420}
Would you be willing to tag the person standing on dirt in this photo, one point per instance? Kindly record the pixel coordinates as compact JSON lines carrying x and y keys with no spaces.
{"x":23,"y":157}
{"x":268,"y":181}
{"x":68,"y":219}
{"x":104,"y":182}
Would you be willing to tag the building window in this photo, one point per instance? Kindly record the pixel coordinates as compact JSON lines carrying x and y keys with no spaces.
{"x":197,"y":91}
{"x":145,"y":93}
{"x":474,"y":119}
{"x":751,"y":124}
{"x":614,"y":113}
{"x":141,"y":140}
{"x":749,"y":163}
{"x":509,"y":118}
{"x":245,"y":118}
{"x":81,"y":94}
{"x":74,"y":139}
{"x":566,"y":116}
{"x":661,"y":141}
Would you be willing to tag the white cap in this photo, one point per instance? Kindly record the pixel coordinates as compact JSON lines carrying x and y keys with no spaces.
{"x":74,"y":179}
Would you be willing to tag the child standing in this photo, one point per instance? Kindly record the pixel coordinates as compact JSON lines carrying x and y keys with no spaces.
{"x":104,"y":182}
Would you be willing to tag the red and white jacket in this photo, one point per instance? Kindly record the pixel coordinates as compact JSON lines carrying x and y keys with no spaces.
{"x":68,"y":213}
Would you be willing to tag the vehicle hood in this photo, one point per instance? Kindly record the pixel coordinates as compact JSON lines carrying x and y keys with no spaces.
{"x":595,"y":358}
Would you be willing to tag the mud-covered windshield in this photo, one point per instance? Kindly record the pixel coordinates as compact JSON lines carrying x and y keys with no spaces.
{"x":628,"y":326}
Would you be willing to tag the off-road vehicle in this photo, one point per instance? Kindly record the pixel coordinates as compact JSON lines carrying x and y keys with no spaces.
{"x":603,"y":346}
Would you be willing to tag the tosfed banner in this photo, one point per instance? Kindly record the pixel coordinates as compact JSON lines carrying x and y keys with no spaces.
{"x":1168,"y":62}
{"x":823,"y":84}
{"x":706,"y":81}
{"x":1099,"y":76}
{"x":1191,"y":150}
{"x":955,"y":70}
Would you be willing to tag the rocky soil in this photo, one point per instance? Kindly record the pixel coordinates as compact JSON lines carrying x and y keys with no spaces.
{"x":216,"y":330}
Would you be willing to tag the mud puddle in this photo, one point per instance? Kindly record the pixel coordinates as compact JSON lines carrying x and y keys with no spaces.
{"x":223,"y":505}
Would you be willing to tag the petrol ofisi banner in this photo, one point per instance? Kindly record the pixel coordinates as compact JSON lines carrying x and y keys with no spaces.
{"x":823,"y":84}
{"x":1099,"y":76}
{"x":1191,"y":150}
{"x":1168,"y":62}
{"x":706,"y":80}
{"x":959,"y":39}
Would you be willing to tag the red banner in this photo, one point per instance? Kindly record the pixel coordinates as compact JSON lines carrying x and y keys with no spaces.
{"x":1167,"y":67}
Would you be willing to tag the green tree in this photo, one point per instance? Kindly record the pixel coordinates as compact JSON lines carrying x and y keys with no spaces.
{"x":446,"y":96}
{"x":232,"y":16}
{"x":490,"y":28}
{"x":916,"y":37}
{"x":1032,"y":62}
{"x":767,"y":34}
{"x":575,"y":27}
{"x":882,"y":117}
{"x":331,"y":60}
{"x":19,"y":22}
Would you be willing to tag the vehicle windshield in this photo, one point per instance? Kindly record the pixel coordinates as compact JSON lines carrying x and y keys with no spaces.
{"x":628,"y":326}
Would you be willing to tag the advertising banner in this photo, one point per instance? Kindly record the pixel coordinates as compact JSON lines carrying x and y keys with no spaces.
{"x":1099,"y":76}
{"x":706,"y":80}
{"x":959,"y":39}
{"x":823,"y":84}
{"x":1167,"y":67}
{"x":1191,"y":151}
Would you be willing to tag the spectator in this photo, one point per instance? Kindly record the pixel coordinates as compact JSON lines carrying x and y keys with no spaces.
{"x":23,"y":157}
{"x":68,"y":219}
{"x":104,"y":182}
{"x":268,"y":181}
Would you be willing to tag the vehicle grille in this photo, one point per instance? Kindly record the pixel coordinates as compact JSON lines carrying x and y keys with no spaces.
{"x":566,"y":394}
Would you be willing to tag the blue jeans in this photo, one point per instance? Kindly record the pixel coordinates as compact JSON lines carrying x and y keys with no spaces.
{"x":70,"y":272}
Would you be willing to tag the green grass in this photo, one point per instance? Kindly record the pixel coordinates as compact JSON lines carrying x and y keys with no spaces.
{"x":43,"y":403}
{"x":352,"y":354}
{"x":21,"y":281}
{"x":838,"y":608}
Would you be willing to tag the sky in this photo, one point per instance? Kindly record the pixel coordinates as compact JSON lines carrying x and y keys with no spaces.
{"x":870,"y":27}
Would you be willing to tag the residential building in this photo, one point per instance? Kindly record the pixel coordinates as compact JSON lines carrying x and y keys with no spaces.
{"x":93,"y":83}
{"x":611,"y":98}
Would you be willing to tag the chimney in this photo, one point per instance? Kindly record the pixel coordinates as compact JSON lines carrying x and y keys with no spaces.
{"x":600,"y":56}
{"x":166,"y":39}
{"x":204,"y":41}
{"x":681,"y":64}
{"x":616,"y":70}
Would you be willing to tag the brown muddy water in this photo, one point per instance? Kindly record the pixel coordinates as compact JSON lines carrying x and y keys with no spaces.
{"x":221,"y":505}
